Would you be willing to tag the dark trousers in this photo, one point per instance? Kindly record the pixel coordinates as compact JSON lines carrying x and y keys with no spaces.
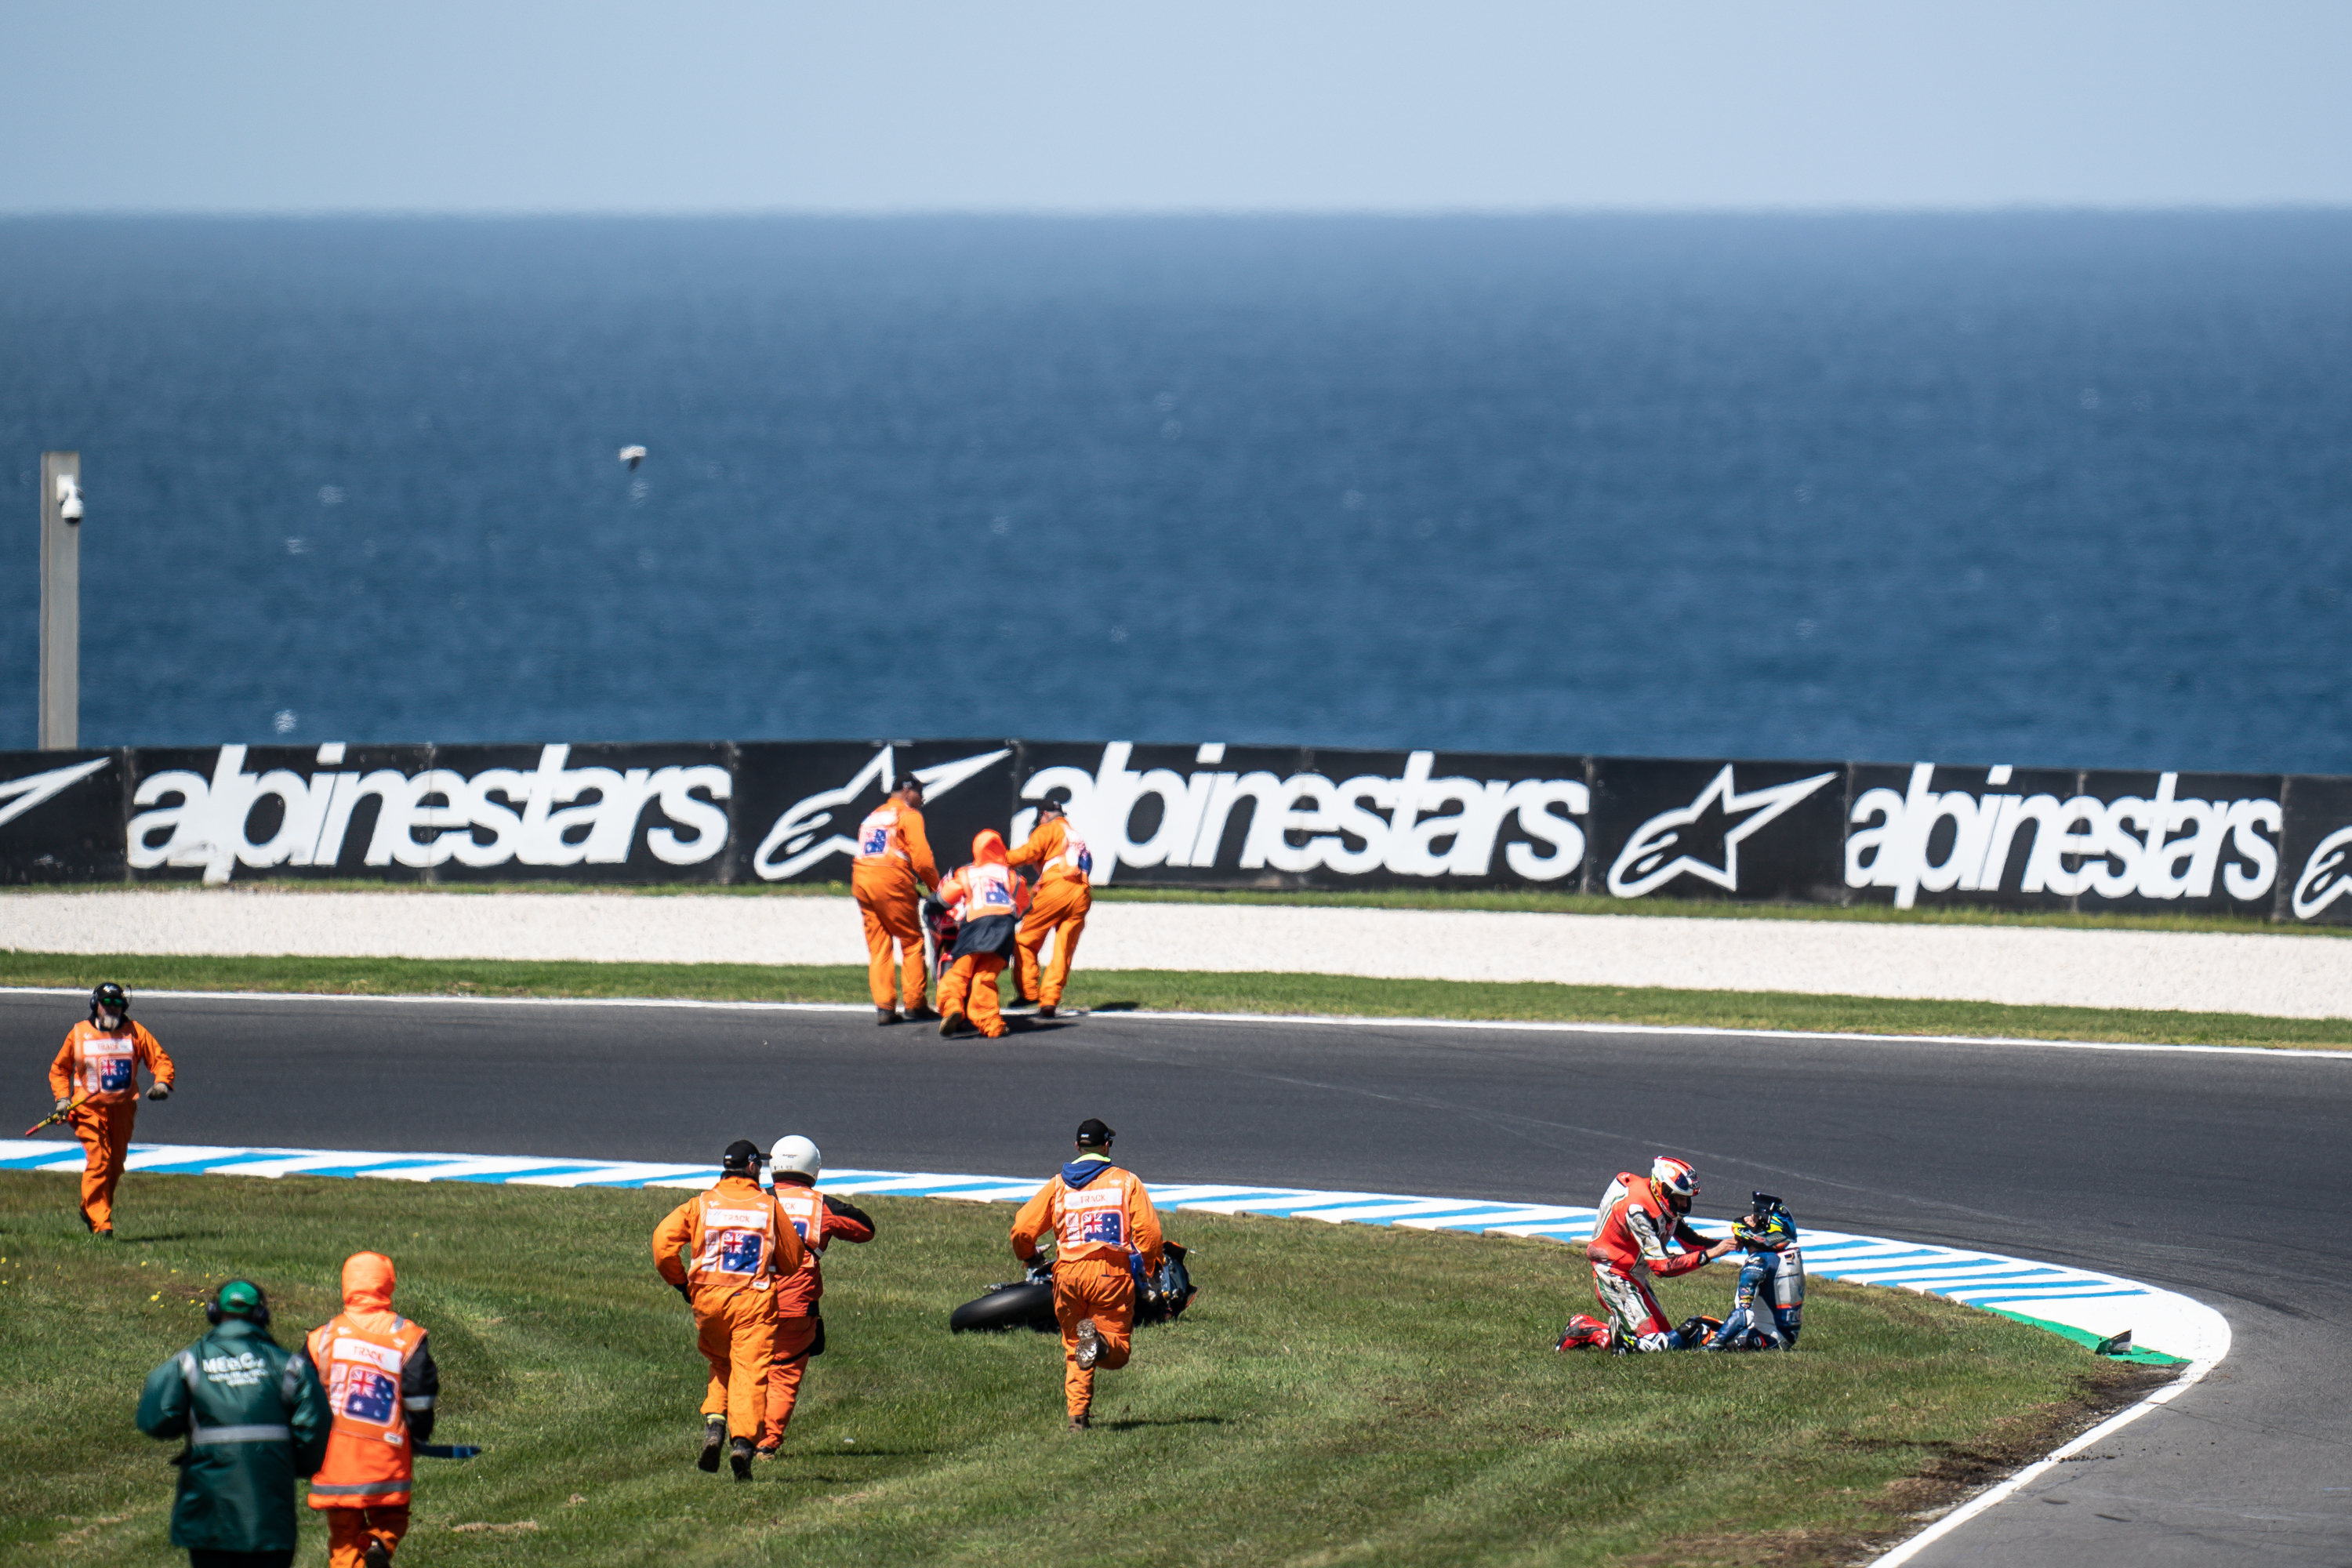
{"x":199,"y":1557}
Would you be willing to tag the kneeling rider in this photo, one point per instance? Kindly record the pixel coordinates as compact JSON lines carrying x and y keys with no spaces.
{"x":1639,"y":1217}
{"x":1769,"y":1308}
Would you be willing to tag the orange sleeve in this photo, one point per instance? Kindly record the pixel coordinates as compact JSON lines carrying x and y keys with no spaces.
{"x":1036,"y":1218}
{"x":1041,"y":845}
{"x":918,"y":847}
{"x":672,"y":1236}
{"x":949,"y":888}
{"x":1143,"y":1224}
{"x":152,"y":1052}
{"x":1020,"y":896}
{"x":61,"y":1080}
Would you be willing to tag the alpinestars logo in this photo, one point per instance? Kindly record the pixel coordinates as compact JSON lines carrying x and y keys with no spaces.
{"x":18,"y":796}
{"x":1711,"y":828}
{"x":794,"y":844}
{"x":2325,"y":875}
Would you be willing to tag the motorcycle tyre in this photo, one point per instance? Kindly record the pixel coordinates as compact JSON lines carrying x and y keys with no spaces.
{"x":1026,"y":1306}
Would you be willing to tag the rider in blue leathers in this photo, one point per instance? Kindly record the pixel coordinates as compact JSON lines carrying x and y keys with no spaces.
{"x":1769,"y":1307}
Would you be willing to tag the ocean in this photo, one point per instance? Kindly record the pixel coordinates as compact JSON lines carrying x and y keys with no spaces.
{"x":2033,"y":489}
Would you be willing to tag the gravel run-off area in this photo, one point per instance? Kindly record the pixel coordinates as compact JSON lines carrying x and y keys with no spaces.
{"x":2281,"y":976}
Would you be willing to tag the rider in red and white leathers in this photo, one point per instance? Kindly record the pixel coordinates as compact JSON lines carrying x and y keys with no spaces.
{"x":1642,"y":1232}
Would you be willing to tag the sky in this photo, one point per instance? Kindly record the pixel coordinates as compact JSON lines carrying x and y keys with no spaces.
{"x":700,"y":106}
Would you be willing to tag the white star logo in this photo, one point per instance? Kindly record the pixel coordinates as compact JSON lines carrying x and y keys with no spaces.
{"x":1643,"y":865}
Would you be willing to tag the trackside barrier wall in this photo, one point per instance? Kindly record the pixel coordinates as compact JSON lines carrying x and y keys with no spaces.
{"x":1209,"y":816}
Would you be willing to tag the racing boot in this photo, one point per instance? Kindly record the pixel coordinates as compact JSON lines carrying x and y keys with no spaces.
{"x":1090,"y":1344}
{"x":714,"y":1443}
{"x":1583,"y":1332}
{"x":738,"y":1457}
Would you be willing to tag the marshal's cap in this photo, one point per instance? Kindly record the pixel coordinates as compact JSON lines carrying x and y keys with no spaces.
{"x":1092,"y":1131}
{"x":742,"y":1155}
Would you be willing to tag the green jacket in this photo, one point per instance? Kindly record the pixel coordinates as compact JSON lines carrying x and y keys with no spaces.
{"x":256,"y":1420}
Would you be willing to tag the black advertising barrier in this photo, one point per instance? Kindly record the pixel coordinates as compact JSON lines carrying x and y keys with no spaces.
{"x":2037,"y":838}
{"x":213,"y":814}
{"x":798,"y":803}
{"x":1196,"y":816}
{"x":443,"y":814}
{"x":1263,"y":816}
{"x":61,"y":816}
{"x":2315,"y":869}
{"x":1718,"y":830}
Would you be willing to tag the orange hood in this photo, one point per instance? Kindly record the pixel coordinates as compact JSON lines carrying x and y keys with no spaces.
{"x":988,"y":848}
{"x":367,"y":1282}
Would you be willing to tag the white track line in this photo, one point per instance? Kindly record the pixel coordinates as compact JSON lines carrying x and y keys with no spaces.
{"x":1994,"y":1496}
{"x":1336,"y":1021}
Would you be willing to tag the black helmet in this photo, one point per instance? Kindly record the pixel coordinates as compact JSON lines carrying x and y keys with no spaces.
{"x":109,"y":996}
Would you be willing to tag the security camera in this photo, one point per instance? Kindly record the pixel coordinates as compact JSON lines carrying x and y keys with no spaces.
{"x":68,"y":497}
{"x":633,"y":455}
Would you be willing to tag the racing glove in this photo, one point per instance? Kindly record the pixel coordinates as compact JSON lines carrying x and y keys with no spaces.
{"x":160,"y":1092}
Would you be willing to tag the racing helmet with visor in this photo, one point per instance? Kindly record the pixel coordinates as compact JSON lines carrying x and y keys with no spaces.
{"x":1673,"y":1181}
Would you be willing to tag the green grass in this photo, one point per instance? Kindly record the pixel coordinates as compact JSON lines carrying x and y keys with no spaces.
{"x":1508,"y":899}
{"x":1182,"y":991}
{"x":1340,"y":1395}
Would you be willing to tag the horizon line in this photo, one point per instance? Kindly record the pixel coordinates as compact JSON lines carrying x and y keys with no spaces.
{"x":2022,"y":208}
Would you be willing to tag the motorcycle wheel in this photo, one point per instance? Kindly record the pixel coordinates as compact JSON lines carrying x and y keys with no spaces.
{"x":1001,"y":1311}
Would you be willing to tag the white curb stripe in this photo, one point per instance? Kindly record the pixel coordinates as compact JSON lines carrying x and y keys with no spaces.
{"x":2101,"y":1304}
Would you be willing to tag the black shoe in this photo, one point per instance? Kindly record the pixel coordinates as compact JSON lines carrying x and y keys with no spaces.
{"x":922,"y":1014}
{"x":1081,"y":1423}
{"x":952,"y":1024}
{"x":1047,"y":1011}
{"x":714,"y":1443}
{"x":738,"y":1457}
{"x":886,"y":1014}
{"x":375,"y":1556}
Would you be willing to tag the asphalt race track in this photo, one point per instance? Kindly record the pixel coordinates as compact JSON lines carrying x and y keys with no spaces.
{"x":2224,"y":1176}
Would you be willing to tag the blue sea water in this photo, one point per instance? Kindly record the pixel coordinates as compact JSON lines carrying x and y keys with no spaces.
{"x":2034,"y":488}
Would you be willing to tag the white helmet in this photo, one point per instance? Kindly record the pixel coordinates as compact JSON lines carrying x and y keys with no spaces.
{"x":796,"y":1155}
{"x":1676,"y":1183}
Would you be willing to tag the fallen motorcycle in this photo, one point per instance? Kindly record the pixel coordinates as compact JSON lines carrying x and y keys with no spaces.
{"x":1028,"y":1303}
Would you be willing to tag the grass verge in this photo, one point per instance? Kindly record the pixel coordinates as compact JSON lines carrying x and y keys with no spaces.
{"x":1506,"y":900}
{"x":1340,"y":1394}
{"x":1183,"y":990}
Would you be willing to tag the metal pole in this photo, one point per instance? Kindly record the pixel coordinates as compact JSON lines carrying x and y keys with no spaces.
{"x":60,"y":601}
